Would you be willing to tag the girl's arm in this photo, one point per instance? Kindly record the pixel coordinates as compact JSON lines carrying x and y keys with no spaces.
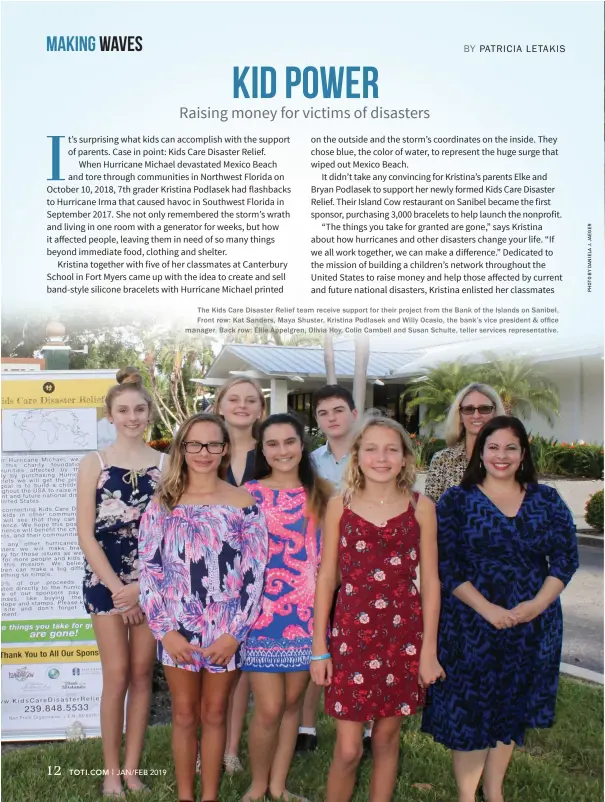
{"x":151,"y":571}
{"x":86,"y":515}
{"x":255,"y":552}
{"x":430,"y":591}
{"x":430,"y":586}
{"x":327,"y":581}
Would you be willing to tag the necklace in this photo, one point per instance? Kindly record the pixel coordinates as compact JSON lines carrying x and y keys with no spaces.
{"x":383,"y":503}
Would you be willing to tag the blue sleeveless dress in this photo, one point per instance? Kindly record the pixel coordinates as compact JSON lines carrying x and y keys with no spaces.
{"x":122,"y":498}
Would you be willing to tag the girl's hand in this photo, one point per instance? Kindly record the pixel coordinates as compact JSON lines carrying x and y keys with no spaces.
{"x":126,"y":597}
{"x":321,"y":671}
{"x":429,"y":670}
{"x":133,"y":617}
{"x":526,"y":611}
{"x":499,"y":617}
{"x":179,"y":648}
{"x":221,"y":651}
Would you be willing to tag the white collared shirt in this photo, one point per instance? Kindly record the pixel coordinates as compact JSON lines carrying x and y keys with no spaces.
{"x":327,"y":466}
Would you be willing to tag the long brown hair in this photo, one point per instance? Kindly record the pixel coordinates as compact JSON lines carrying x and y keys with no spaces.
{"x":174,"y":482}
{"x":355,"y":480}
{"x":318,"y":491}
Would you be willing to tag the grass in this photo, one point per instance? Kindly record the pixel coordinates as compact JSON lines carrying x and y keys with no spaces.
{"x":563,"y":764}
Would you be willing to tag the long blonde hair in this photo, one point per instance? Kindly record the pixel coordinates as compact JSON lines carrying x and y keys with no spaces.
{"x":224,"y":389}
{"x":354,"y":480}
{"x":454,"y":428}
{"x":174,"y":482}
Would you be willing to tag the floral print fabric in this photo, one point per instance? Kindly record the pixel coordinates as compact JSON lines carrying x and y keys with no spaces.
{"x":281,"y":638}
{"x":377,"y":628}
{"x":122,"y":498}
{"x":201,"y":574}
{"x":446,"y":470}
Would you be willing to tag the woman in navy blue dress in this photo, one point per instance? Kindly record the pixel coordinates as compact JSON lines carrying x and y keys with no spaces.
{"x":507,"y":548}
{"x":114,"y":488}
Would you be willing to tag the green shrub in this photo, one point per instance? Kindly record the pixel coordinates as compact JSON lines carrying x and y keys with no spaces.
{"x":594,"y":511}
{"x":314,"y":439}
{"x":425,"y":448}
{"x":580,"y":460}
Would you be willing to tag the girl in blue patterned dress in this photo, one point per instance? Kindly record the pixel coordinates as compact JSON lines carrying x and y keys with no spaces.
{"x":202,"y":551}
{"x":278,"y":653}
{"x":114,"y":488}
{"x":507,"y":548}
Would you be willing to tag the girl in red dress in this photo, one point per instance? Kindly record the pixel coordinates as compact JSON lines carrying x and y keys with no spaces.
{"x":383,"y":647}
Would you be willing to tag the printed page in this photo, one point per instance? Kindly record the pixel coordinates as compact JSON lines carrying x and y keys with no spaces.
{"x":374,"y":194}
{"x":384,"y":168}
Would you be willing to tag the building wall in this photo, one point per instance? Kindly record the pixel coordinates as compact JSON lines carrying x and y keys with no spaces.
{"x":580,"y":384}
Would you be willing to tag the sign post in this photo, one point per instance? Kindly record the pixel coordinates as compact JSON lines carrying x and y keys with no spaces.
{"x":51,"y":674}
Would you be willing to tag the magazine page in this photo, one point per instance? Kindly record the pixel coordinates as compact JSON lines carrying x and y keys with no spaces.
{"x":219,"y":208}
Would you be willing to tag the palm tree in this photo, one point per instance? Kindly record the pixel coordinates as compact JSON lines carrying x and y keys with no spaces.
{"x":521,"y":387}
{"x":437,"y":389}
{"x":172,"y":360}
{"x":329,"y":358}
{"x":362,"y":357}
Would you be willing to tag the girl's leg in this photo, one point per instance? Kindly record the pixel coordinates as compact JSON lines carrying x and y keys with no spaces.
{"x":308,"y":719}
{"x":112,"y":639}
{"x":385,"y":752}
{"x":468,"y":767}
{"x":185,"y":692}
{"x":238,"y":707}
{"x":142,"y":651}
{"x":269,"y":703}
{"x":494,"y":771}
{"x":347,"y":754}
{"x":216,"y":689}
{"x":296,"y":684}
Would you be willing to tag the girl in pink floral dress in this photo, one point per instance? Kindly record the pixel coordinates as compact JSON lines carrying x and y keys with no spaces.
{"x":202,"y":551}
{"x":293,"y":500}
{"x":383,"y":648}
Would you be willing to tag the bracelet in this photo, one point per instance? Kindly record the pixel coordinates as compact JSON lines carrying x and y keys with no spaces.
{"x":325,"y":656}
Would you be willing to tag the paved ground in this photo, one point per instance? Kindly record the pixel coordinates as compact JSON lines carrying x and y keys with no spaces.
{"x":583,"y":613}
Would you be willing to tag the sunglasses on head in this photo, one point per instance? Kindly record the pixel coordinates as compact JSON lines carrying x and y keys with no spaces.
{"x":482,"y":409}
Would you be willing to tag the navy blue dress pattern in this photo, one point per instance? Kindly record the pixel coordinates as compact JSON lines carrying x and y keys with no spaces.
{"x":122,"y":498}
{"x":499,"y":682}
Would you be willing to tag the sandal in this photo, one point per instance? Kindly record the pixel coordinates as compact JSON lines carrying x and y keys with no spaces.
{"x":288,"y":796}
{"x":232,"y":764}
{"x":247,"y":798}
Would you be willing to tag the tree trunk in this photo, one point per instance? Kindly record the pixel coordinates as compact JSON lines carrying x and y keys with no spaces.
{"x":329,"y":359}
{"x":362,"y":356}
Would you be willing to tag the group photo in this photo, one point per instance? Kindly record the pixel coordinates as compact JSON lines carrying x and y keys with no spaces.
{"x":340,"y":611}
